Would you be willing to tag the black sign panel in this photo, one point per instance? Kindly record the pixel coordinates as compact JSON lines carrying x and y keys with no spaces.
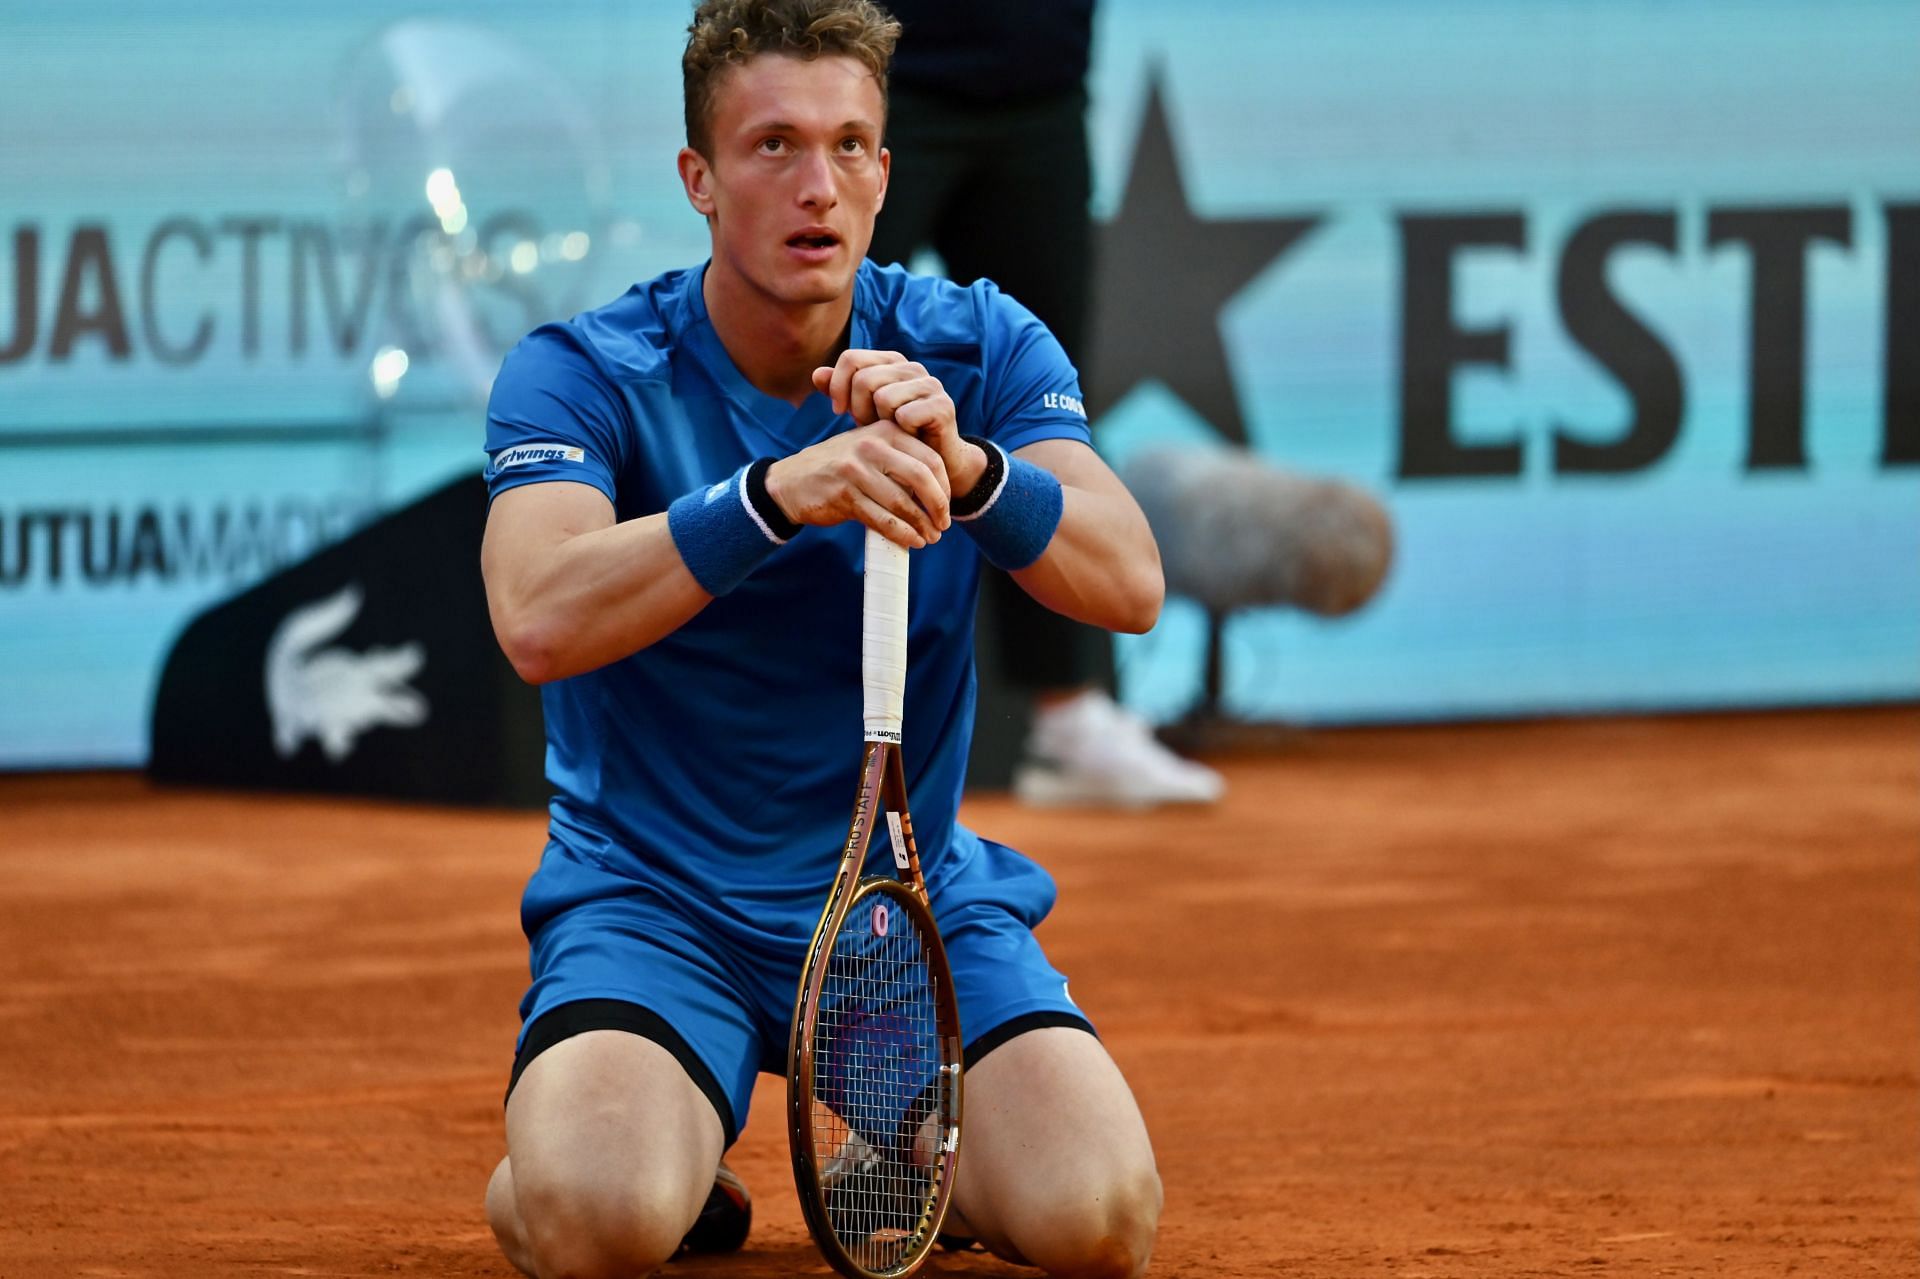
{"x":368,"y":669}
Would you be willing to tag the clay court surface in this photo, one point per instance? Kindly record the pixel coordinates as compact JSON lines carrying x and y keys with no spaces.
{"x":1614,"y":997}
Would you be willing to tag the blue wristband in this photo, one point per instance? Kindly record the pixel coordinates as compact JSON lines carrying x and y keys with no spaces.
{"x":1016,"y":518}
{"x":719,"y":534}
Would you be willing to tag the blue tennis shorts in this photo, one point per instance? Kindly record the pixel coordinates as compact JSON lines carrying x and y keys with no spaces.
{"x":610,"y":952}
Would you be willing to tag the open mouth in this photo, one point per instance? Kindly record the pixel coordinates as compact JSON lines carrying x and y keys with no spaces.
{"x":813,"y":240}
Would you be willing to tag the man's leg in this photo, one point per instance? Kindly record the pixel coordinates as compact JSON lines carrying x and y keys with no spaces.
{"x":611,"y":1151}
{"x":1056,"y":1169}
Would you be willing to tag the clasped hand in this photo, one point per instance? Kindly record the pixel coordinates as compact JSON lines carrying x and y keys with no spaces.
{"x":896,"y":471}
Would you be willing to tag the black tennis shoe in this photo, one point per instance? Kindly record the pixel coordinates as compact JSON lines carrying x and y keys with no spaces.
{"x":724,"y":1219}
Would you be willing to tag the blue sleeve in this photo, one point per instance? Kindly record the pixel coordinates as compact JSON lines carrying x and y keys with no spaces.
{"x":1032,"y":390}
{"x":554,"y":415}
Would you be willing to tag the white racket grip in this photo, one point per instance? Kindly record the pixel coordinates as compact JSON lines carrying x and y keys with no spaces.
{"x":883,"y":638}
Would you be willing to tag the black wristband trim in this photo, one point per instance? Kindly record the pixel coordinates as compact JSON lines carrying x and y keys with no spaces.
{"x":763,"y":504}
{"x":974,"y":500}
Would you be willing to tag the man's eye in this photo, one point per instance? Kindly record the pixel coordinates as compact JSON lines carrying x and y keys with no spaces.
{"x":853,"y":145}
{"x":772,"y":145}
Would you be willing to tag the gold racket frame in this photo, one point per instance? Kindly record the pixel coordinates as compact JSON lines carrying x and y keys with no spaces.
{"x":883,"y":787}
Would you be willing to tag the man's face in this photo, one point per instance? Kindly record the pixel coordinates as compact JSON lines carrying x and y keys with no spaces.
{"x":795,"y":176}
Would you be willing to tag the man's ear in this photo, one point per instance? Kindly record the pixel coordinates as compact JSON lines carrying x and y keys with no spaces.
{"x":696,"y":175}
{"x":886,"y":168}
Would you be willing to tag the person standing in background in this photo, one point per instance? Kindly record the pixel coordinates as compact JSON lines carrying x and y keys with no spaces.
{"x":991,"y":170}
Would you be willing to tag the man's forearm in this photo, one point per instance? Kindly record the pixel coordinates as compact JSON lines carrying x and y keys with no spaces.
{"x":592,"y":598}
{"x":1102,"y":566}
{"x":1057,"y":518}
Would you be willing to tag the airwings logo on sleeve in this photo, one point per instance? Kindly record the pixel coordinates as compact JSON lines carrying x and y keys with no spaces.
{"x":524,"y":454}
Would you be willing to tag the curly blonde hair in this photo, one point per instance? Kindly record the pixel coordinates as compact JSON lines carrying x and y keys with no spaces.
{"x":726,"y":33}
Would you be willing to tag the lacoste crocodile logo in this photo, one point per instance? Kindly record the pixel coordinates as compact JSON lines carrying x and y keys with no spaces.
{"x":334,"y":695}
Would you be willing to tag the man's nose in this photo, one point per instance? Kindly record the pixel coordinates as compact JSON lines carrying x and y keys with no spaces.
{"x":819,"y":187}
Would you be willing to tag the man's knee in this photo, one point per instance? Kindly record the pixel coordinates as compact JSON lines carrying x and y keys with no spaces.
{"x":589,"y":1230}
{"x":1100,"y":1231}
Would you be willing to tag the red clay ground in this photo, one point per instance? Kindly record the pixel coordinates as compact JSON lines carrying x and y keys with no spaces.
{"x":1625,"y":997}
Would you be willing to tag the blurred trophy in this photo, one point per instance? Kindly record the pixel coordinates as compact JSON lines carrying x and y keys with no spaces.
{"x":478,"y":187}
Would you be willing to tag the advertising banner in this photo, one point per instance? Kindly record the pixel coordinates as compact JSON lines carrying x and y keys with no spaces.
{"x":1615,"y":309}
{"x":257,"y":268}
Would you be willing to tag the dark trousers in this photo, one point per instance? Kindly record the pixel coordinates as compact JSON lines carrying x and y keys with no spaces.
{"x":1000,"y":192}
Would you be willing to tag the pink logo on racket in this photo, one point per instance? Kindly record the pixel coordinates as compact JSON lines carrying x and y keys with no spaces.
{"x":879,"y":919}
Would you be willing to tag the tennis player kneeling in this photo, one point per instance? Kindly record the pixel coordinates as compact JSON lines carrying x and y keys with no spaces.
{"x":682,"y":481}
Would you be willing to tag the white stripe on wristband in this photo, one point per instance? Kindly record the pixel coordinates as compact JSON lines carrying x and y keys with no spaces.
{"x":1004,"y":469}
{"x":1014,"y":526}
{"x":740,"y":488}
{"x":720,"y":541}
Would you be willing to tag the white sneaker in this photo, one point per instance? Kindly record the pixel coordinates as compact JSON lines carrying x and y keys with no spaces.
{"x":1089,"y":751}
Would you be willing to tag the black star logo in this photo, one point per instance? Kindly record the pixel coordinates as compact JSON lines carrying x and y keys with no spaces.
{"x":1163,"y":276}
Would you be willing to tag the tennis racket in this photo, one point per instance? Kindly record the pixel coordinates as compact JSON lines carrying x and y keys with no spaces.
{"x":873,"y":1064}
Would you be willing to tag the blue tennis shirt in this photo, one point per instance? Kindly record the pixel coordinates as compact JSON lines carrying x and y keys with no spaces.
{"x":719,"y":764}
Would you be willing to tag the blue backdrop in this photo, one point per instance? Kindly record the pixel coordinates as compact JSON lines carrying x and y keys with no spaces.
{"x":1616,"y":305}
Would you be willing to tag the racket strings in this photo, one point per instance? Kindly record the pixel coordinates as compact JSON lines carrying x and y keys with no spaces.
{"x":877,"y":1068}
